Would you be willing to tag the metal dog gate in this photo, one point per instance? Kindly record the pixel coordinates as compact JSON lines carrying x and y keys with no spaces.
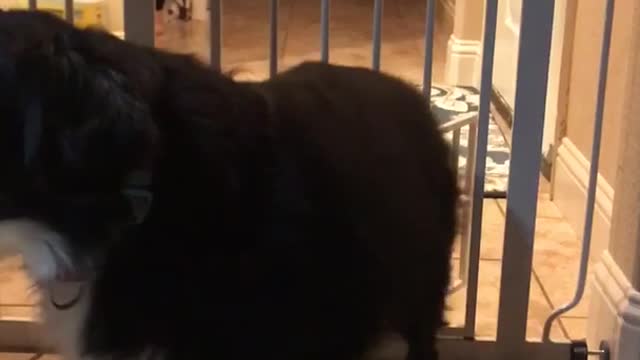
{"x":532,"y":72}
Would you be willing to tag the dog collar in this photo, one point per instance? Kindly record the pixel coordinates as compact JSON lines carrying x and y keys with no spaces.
{"x":66,"y":286}
{"x":138,"y":192}
{"x":71,"y":276}
{"x":70,"y":287}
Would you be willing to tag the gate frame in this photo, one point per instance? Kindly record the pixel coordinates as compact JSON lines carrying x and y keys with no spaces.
{"x":521,"y":207}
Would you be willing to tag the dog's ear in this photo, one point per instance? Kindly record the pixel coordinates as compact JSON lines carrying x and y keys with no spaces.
{"x":50,"y":68}
{"x":91,"y":119}
{"x":110,"y":124}
{"x":7,"y":75}
{"x":113,"y":139}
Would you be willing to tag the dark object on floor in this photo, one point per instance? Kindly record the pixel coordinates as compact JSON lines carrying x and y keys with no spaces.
{"x":181,"y":9}
{"x":300,"y":218}
{"x":495,"y":195}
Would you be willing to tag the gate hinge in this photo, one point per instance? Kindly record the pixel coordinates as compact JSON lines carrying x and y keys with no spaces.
{"x":580,"y":351}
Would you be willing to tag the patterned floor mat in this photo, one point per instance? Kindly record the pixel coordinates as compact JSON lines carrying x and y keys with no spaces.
{"x":450,"y":103}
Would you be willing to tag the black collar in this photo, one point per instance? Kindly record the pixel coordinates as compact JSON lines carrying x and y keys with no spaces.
{"x":138,"y":192}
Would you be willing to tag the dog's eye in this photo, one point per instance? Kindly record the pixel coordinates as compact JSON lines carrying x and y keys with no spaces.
{"x":7,"y":206}
{"x":4,"y":199}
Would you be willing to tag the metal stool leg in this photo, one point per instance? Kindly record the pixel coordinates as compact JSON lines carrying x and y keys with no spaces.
{"x":465,"y":203}
{"x":468,"y":188}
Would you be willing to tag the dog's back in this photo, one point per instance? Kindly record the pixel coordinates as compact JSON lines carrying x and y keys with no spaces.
{"x":379,"y":193}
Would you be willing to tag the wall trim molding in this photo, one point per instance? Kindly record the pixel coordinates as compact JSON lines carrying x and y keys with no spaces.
{"x":570,"y":182}
{"x":463,"y":62}
{"x":615,"y":310}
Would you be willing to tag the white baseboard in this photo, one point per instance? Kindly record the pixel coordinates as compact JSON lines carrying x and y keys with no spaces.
{"x":614,"y":315}
{"x":463,"y":62}
{"x":570,"y":184}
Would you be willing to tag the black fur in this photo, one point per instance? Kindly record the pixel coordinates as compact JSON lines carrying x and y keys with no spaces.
{"x":297,"y":218}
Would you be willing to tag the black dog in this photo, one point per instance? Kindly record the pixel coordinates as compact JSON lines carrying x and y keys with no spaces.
{"x":299,"y":218}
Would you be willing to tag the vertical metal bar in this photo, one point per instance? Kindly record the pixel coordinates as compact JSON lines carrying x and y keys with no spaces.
{"x":428,"y":49}
{"x":215,"y":34}
{"x":139,"y":21}
{"x":273,"y":37}
{"x":68,"y":10}
{"x":455,"y":149}
{"x":377,"y":34}
{"x":33,"y":4}
{"x":464,"y":236}
{"x":524,"y":173}
{"x":324,"y":30}
{"x":593,"y":174}
{"x":481,"y":134}
{"x":468,"y":188}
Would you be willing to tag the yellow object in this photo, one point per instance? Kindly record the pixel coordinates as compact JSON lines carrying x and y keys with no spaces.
{"x":85,"y":12}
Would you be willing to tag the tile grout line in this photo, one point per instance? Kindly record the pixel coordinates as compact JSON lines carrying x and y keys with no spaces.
{"x":539,"y":282}
{"x":549,"y":303}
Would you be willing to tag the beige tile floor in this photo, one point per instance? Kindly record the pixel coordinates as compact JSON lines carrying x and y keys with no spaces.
{"x":555,"y":265}
{"x":245,"y":46}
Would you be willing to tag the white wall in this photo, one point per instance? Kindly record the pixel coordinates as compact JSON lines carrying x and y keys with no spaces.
{"x":506,"y":58}
{"x":555,"y":64}
{"x":506,"y":53}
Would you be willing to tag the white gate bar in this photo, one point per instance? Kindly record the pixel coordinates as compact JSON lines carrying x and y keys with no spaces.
{"x":139,"y":25}
{"x":456,"y":349}
{"x":428,"y":50}
{"x":593,"y":174}
{"x":524,"y":172}
{"x":324,"y":30}
{"x":273,"y":37}
{"x":33,"y":4}
{"x":68,"y":10}
{"x":477,"y":183}
{"x":377,"y":34}
{"x":215,"y":34}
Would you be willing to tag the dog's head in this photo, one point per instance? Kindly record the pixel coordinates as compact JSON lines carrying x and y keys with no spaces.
{"x":75,"y":139}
